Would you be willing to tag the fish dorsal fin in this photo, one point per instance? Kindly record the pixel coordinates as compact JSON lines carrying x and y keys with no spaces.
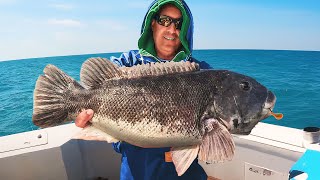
{"x":217,"y":143}
{"x":95,"y":71}
{"x":182,"y":157}
{"x":159,"y":68}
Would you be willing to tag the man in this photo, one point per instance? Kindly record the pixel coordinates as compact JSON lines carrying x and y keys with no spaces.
{"x":166,"y":35}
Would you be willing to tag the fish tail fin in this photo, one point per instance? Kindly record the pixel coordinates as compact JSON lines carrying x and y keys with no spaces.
{"x":49,"y":101}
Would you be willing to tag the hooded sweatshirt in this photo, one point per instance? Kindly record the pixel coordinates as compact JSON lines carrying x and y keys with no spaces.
{"x":146,"y":43}
{"x":147,"y":52}
{"x":149,"y":163}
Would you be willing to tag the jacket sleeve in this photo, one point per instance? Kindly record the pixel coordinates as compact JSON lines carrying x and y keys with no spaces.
{"x":128,"y":59}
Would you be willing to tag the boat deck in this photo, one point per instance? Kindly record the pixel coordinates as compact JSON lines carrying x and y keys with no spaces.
{"x":267,"y":153}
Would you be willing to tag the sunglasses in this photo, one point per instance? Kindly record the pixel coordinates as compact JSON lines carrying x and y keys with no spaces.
{"x":166,"y":21}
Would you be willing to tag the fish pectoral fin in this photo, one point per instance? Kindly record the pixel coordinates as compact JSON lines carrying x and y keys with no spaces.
{"x":217,"y":143}
{"x":182,"y":157}
{"x":93,"y":134}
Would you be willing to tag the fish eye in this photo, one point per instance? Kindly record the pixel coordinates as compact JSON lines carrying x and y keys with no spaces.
{"x":245,"y":86}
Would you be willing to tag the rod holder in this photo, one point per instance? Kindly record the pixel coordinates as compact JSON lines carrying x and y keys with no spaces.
{"x":311,"y":135}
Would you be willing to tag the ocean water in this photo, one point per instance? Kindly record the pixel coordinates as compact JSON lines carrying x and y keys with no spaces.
{"x":294,"y":77}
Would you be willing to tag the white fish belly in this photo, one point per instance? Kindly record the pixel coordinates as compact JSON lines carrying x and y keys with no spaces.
{"x":148,"y":133}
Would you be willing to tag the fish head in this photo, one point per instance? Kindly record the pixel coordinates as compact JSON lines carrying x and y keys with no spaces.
{"x":241,"y":102}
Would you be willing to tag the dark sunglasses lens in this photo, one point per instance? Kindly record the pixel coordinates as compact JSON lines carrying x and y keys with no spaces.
{"x":178,"y":24}
{"x":166,"y":21}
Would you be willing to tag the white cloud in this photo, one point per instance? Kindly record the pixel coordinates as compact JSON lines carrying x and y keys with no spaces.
{"x":45,"y":41}
{"x":112,"y":24}
{"x":65,"y":22}
{"x":62,"y":6}
{"x":139,"y":4}
{"x":5,"y":2}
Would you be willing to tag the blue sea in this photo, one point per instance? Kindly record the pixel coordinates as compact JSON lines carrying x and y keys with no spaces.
{"x":294,"y":77}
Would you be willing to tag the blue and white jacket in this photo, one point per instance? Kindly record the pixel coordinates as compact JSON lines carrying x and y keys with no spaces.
{"x":133,"y":58}
{"x":149,"y":163}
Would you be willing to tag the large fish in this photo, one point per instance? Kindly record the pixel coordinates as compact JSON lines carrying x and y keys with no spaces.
{"x":156,"y":105}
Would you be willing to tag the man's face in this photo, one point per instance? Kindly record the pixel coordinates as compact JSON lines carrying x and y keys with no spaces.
{"x":166,"y":39}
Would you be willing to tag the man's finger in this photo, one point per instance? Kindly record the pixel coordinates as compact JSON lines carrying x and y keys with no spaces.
{"x":84,"y":117}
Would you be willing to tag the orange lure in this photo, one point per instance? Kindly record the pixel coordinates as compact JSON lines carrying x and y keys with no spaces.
{"x":278,"y":116}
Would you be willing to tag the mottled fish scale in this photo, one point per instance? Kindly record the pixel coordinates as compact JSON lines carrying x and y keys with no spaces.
{"x":183,"y":123}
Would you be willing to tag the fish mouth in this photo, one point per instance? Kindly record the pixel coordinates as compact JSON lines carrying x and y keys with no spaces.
{"x":268,"y":105}
{"x":270,"y":101}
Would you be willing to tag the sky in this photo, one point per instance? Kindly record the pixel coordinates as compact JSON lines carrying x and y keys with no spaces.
{"x":42,"y":28}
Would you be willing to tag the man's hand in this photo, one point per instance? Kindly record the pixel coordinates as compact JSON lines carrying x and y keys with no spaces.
{"x":84,"y":118}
